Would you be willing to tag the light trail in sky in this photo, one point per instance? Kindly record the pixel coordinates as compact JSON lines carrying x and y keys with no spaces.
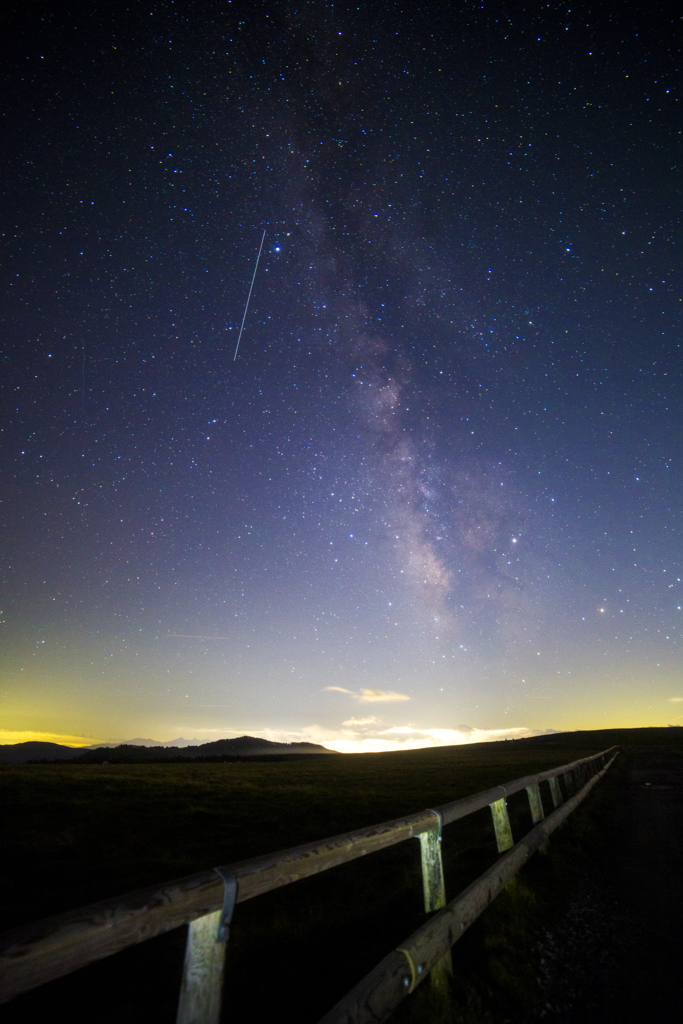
{"x":191,"y":636}
{"x":239,"y":338}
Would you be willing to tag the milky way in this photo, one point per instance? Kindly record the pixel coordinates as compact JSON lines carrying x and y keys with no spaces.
{"x":444,"y":468}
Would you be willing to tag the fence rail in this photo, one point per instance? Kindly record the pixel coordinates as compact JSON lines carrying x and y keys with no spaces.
{"x":376,"y":997}
{"x":37,"y":953}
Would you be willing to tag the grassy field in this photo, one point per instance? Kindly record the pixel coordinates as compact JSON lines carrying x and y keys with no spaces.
{"x":105,"y":829}
{"x":80,"y":833}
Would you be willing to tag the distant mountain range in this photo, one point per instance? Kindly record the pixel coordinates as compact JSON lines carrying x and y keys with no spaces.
{"x":138,"y":752}
{"x":138,"y":742}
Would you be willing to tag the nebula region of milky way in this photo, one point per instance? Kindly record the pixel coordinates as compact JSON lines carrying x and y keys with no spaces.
{"x":437,"y":496}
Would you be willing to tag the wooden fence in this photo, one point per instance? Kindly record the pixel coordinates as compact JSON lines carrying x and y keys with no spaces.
{"x":35,"y":954}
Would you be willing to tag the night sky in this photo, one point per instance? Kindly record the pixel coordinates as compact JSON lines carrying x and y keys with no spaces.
{"x":437,"y":496}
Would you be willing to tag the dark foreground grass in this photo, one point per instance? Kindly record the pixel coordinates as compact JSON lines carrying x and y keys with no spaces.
{"x":81,"y":833}
{"x":102,"y":830}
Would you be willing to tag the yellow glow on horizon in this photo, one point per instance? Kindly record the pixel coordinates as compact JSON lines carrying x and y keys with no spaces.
{"x":29,"y":736}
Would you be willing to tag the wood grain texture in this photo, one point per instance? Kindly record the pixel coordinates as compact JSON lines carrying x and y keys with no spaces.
{"x":434,"y":892}
{"x":501,"y":824}
{"x":433,"y":885}
{"x":40,"y":952}
{"x":535,"y":803}
{"x":37,"y":953}
{"x":376,"y":997}
{"x":202,"y":984}
{"x":556,"y":792}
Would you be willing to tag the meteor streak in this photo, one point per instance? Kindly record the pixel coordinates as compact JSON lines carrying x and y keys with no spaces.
{"x":192,"y":636}
{"x":249,"y":295}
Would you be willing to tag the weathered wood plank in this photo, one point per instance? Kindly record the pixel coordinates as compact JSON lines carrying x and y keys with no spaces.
{"x":535,"y":803}
{"x":433,"y":885}
{"x":556,"y":792}
{"x":376,"y":997}
{"x":40,"y":952}
{"x":501,"y":823}
{"x":467,"y":805}
{"x":202,"y":982}
{"x":35,"y":954}
{"x":434,"y":892}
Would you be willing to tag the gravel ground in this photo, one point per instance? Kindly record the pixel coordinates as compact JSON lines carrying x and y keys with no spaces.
{"x":615,"y":956}
{"x":579,"y":962}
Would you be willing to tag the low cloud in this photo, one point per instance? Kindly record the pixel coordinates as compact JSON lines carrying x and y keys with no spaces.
{"x":675,"y":700}
{"x":366,"y":695}
{"x":367,"y":735}
{"x":382,"y":695}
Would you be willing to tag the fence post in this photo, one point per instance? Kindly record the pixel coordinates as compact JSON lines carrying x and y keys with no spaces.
{"x":434,"y":889}
{"x":501,"y":824}
{"x":555,"y":791}
{"x":202,"y":984}
{"x":535,"y":803}
{"x":536,"y":807}
{"x":433,"y":884}
{"x":570,"y":783}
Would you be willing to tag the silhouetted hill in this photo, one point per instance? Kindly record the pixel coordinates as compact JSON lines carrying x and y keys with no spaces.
{"x":665,"y":735}
{"x":254,"y":747}
{"x":247,"y":746}
{"x":19,"y":753}
{"x":242,"y":746}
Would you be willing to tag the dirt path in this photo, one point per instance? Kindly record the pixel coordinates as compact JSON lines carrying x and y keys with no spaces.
{"x":617,"y":956}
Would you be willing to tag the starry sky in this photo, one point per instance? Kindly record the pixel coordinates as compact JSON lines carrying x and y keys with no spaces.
{"x":437,"y":496}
